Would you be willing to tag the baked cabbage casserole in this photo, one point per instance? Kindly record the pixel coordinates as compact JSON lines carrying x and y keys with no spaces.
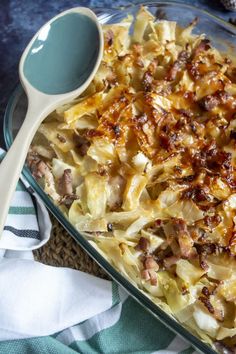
{"x":143,"y":165}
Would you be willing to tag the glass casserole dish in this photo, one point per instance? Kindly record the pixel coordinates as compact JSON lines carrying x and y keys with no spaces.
{"x":225,"y":39}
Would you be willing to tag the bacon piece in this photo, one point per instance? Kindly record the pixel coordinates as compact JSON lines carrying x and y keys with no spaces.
{"x":184,"y":238}
{"x":199,"y":160}
{"x":153,"y":277}
{"x":32,"y":156}
{"x":143,"y":244}
{"x":38,"y":167}
{"x":92,"y":133}
{"x":212,"y":221}
{"x":223,"y":96}
{"x":140,"y":119}
{"x":147,"y":81}
{"x":196,"y":193}
{"x":162,"y":254}
{"x":206,"y":292}
{"x":150,"y":263}
{"x":203,"y":250}
{"x":82,"y":144}
{"x":32,"y":159}
{"x":207,"y":248}
{"x":167,"y":140}
{"x":149,"y":275}
{"x":193,"y":70}
{"x":65,"y":183}
{"x":148,"y":76}
{"x":223,"y":348}
{"x":178,"y":65}
{"x":41,"y":169}
{"x":67,"y":200}
{"x":222,"y":159}
{"x":203,"y":263}
{"x":203,"y":46}
{"x":206,"y":302}
{"x":215,"y":160}
{"x":186,"y":112}
{"x":209,"y":102}
{"x":109,"y":38}
{"x":186,"y":244}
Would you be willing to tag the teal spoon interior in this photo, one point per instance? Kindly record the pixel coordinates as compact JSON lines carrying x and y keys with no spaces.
{"x":63,"y":54}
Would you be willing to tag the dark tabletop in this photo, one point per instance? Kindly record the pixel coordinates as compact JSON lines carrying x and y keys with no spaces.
{"x":19,"y":20}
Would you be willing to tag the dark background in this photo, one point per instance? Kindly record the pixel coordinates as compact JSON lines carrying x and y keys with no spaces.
{"x":20,"y":19}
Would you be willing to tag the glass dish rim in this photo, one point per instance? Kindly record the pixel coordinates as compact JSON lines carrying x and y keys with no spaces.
{"x":112,"y":11}
{"x":148,"y":304}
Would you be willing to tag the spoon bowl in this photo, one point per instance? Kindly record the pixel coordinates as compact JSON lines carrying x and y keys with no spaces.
{"x":56,"y":67}
{"x":63,"y":54}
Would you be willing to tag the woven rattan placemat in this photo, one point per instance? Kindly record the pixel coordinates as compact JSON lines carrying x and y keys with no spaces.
{"x":62,"y":250}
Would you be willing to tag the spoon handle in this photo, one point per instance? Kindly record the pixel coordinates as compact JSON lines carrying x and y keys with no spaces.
{"x":12,"y":164}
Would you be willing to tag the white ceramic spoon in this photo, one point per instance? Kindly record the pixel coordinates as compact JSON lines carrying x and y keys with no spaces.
{"x":57,"y":65}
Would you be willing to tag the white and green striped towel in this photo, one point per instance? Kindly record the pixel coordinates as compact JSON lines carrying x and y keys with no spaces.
{"x":46,"y":309}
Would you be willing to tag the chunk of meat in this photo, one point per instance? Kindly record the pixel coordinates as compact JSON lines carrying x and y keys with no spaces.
{"x":67,"y":200}
{"x":65,"y":183}
{"x":167,"y":140}
{"x":209,"y":102}
{"x":143,"y":244}
{"x":203,"y":251}
{"x":82,"y":144}
{"x":150,"y":263}
{"x":181,"y":61}
{"x":206,"y":302}
{"x":109,"y":38}
{"x":216,"y":161}
{"x":147,"y":81}
{"x":196,"y":193}
{"x":185,"y":241}
{"x":148,"y":76}
{"x":38,"y":167}
{"x":212,"y":221}
{"x":153,"y":277}
{"x":41,"y":169}
{"x":207,"y":248}
{"x":149,"y":274}
{"x":203,"y":46}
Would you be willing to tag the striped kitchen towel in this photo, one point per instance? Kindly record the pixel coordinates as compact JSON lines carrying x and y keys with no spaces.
{"x":46,"y":309}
